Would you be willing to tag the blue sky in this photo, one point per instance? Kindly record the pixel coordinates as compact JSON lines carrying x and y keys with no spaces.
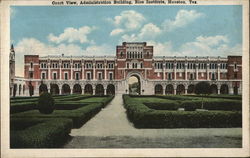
{"x":96,"y":30}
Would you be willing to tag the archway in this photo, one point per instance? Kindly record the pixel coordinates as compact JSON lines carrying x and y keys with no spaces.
{"x":158,"y":89}
{"x":169,"y":89}
{"x":190,"y":89}
{"x":180,"y":89}
{"x":43,"y":88}
{"x":65,"y":89}
{"x":23,"y":89}
{"x":54,"y":89}
{"x":134,"y":85}
{"x":99,"y":90}
{"x":77,"y":89}
{"x":224,"y":89}
{"x":88,"y":89}
{"x":14,"y":90}
{"x":110,"y":89}
{"x":236,"y":90}
{"x":213,"y":89}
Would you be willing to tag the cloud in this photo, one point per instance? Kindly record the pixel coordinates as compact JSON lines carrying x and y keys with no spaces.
{"x":148,"y":32}
{"x":128,"y":20}
{"x":182,"y":19}
{"x":116,"y":32}
{"x":32,"y":46}
{"x":202,"y":46}
{"x":71,"y":35}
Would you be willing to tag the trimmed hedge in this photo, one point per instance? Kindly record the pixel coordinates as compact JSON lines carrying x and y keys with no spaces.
{"x":144,"y":117}
{"x":221,"y":96}
{"x":21,"y":107}
{"x":163,"y":106}
{"x":39,"y":133}
{"x":215,"y":104}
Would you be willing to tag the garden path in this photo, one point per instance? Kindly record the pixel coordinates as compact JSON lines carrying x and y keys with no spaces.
{"x":111,"y":128}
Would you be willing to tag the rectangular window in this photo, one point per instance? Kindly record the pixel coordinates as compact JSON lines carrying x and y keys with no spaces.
{"x":66,"y":76}
{"x":111,"y":76}
{"x":89,"y":76}
{"x":54,"y":76}
{"x":99,"y":75}
{"x":31,"y":74}
{"x":128,"y":65}
{"x":77,"y":76}
{"x":43,"y":75}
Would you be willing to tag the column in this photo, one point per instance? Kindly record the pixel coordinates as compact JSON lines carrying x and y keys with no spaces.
{"x":105,"y":71}
{"x":174,"y":71}
{"x":175,"y":87}
{"x":60,"y":71}
{"x":164,"y":90}
{"x":93,"y":71}
{"x":218,"y":89}
{"x":49,"y":71}
{"x":164,"y":71}
{"x":185,"y":71}
{"x":231,"y":90}
{"x":218,"y":71}
{"x":93,"y":90}
{"x":207,"y":71}
{"x":60,"y":90}
{"x":82,"y":71}
{"x":82,"y":91}
{"x":105,"y":91}
{"x":71,"y":71}
{"x":186,"y":89}
{"x":196,"y":71}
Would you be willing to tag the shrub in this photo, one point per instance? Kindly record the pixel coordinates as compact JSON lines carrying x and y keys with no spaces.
{"x":45,"y":103}
{"x":143,"y":117}
{"x":163,"y":106}
{"x":22,"y":106}
{"x":39,"y":133}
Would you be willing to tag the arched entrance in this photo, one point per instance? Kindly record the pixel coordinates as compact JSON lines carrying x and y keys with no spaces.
{"x":20,"y":89}
{"x":134,"y":85}
{"x":190,"y":89}
{"x":110,"y":89}
{"x":158,"y":89}
{"x":54,"y":89}
{"x":213,"y":89}
{"x":65,"y":89}
{"x":77,"y":89}
{"x":169,"y":89}
{"x":180,"y":89}
{"x":88,"y":89}
{"x":99,"y":90}
{"x":43,"y":88}
{"x":224,"y":89}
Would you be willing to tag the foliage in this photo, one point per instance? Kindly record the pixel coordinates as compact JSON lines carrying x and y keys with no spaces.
{"x":39,"y":133}
{"x":163,"y":106}
{"x":46,"y":103}
{"x":202,"y":88}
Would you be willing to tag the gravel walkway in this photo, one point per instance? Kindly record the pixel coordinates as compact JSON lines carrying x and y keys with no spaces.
{"x":111,"y":129}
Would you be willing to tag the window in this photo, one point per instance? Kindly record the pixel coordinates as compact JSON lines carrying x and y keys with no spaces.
{"x":121,"y":54}
{"x":31,"y":65}
{"x":65,"y":76}
{"x":213,"y":76}
{"x":77,"y":76}
{"x":31,"y":74}
{"x":235,"y":66}
{"x":54,"y":76}
{"x":128,"y":65}
{"x":99,"y":75}
{"x":191,"y":76}
{"x":111,"y":76}
{"x":170,"y":76}
{"x":43,"y":75}
{"x":235,"y":75}
{"x":89,"y":76}
{"x":141,"y":65}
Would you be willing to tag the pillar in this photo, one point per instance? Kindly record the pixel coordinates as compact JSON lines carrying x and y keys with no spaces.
{"x":230,"y":88}
{"x":196,"y":71}
{"x":218,"y":71}
{"x":93,"y":71}
{"x":60,"y":71}
{"x":218,"y":89}
{"x":105,"y":91}
{"x":185,"y":71}
{"x":174,"y":91}
{"x":164,"y":90}
{"x":105,"y":71}
{"x":49,"y":71}
{"x":93,"y":90}
{"x":71,"y":71}
{"x":82,"y":71}
{"x":174,"y":71}
{"x":207,"y":71}
{"x":164,"y":71}
{"x":186,"y":90}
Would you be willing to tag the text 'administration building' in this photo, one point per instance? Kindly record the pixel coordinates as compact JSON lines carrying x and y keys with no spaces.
{"x":110,"y":74}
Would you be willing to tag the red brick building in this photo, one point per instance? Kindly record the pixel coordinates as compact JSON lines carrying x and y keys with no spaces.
{"x":110,"y":74}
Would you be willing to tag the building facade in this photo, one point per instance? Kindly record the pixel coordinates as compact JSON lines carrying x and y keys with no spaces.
{"x":110,"y":74}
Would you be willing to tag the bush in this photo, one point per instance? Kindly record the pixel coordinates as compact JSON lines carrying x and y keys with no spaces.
{"x":163,"y":106}
{"x":23,"y":106}
{"x":46,"y":103}
{"x":144,"y":117}
{"x":39,"y":133}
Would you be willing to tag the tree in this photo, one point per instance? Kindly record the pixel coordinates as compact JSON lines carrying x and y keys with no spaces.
{"x":46,"y":104}
{"x":203,"y":89}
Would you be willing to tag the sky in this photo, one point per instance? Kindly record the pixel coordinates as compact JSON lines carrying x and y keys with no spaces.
{"x":96,"y":30}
